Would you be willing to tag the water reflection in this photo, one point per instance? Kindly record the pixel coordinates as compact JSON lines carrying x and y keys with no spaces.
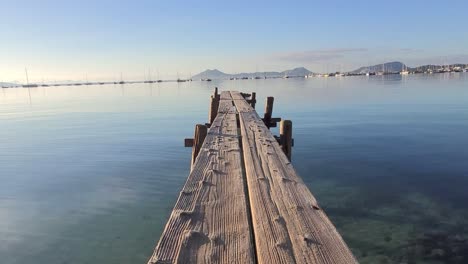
{"x":92,"y":172}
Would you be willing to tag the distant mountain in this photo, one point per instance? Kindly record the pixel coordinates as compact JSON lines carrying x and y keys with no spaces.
{"x":211,"y":74}
{"x":216,"y":74}
{"x":297,"y":72}
{"x":395,"y":66}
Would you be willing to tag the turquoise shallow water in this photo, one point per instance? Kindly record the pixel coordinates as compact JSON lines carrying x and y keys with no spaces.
{"x":90,"y":174}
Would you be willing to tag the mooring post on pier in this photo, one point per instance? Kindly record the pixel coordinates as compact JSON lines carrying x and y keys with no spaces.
{"x":253,"y":99}
{"x":267,"y":119}
{"x":268,"y":110}
{"x":199,"y":137}
{"x":216,"y":94}
{"x":213,"y":108}
{"x":286,"y":140}
{"x":214,"y":104}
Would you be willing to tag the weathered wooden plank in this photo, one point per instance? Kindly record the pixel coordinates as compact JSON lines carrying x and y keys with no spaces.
{"x":288,"y":224}
{"x":225,"y":104}
{"x":237,"y":96}
{"x":209,"y":223}
{"x":225,"y":95}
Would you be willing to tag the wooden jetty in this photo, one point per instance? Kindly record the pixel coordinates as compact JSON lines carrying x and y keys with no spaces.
{"x":243,"y":202}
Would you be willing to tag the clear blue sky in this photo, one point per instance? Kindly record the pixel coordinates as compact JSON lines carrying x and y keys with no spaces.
{"x":71,"y":39}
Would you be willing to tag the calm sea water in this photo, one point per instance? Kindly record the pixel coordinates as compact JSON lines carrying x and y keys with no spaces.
{"x":89,"y":174}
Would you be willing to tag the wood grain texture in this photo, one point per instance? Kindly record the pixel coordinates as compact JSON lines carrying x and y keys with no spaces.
{"x":209,"y":223}
{"x":237,"y":96}
{"x":288,"y":224}
{"x":244,"y":203}
{"x":225,"y":95}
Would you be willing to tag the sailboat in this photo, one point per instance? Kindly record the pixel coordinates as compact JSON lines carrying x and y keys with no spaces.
{"x":256,"y":74}
{"x":159,"y":79}
{"x":87,"y":83}
{"x":383,"y":70}
{"x":121,"y":79}
{"x":180,"y":80}
{"x":206,"y":79}
{"x":147,"y":79}
{"x":28,"y":85}
{"x":340,"y":73}
{"x":368,"y":71}
{"x":404,"y":71}
{"x":3,"y":85}
{"x":43,"y":84}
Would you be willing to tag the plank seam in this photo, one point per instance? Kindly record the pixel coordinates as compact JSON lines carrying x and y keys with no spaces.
{"x":246,"y":189}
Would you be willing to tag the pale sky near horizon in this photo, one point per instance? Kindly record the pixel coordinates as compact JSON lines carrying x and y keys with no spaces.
{"x":61,"y":40}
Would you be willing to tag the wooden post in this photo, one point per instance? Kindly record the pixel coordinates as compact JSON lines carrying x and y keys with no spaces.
{"x":188,"y":142}
{"x":214,"y":104}
{"x":198,"y":139}
{"x":253,"y":99}
{"x":215,"y":94}
{"x":286,"y":137}
{"x":268,"y":111}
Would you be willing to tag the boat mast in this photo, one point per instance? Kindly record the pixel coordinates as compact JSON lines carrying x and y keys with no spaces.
{"x":27,"y":78}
